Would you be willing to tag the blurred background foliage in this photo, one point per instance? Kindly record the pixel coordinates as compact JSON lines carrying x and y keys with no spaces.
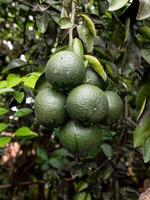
{"x":34,"y":167}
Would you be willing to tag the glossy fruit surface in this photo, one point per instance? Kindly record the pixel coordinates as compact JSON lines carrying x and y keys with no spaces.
{"x":65,"y":70}
{"x":49,"y":107}
{"x":87,"y":103}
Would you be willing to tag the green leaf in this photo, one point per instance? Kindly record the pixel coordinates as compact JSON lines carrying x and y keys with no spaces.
{"x":107,"y":150}
{"x":144,"y":31}
{"x":3,"y":126}
{"x":3,"y":111}
{"x":42,"y":22}
{"x":23,"y":7}
{"x":145,"y":53}
{"x":65,"y":23}
{"x":41,"y":82}
{"x":42,"y":154}
{"x":117,"y":4}
{"x":133,"y":56}
{"x":118,"y":35}
{"x":141,"y":133}
{"x":107,"y":135}
{"x":81,"y":186}
{"x":60,"y":164}
{"x":13,"y":80}
{"x":144,"y":10}
{"x":146,"y":150}
{"x":19,"y":96}
{"x":109,"y":69}
{"x":143,"y":93}
{"x":6,"y":90}
{"x":17,"y":63}
{"x":5,"y":1}
{"x":106,"y":173}
{"x":56,"y":163}
{"x":127,"y":30}
{"x":4,"y":141}
{"x":31,"y":79}
{"x":141,"y":40}
{"x":62,"y":153}
{"x":3,"y":84}
{"x":90,"y":24}
{"x":82,"y":196}
{"x":96,"y":65}
{"x":142,"y":108}
{"x":23,"y":112}
{"x":86,"y":36}
{"x":24,"y":132}
{"x":77,"y":47}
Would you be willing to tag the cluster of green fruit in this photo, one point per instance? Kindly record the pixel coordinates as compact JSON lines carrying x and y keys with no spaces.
{"x":75,"y":102}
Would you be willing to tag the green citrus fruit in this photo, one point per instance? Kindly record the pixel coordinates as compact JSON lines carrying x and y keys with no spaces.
{"x":84,"y":141}
{"x":115,"y":105}
{"x":91,"y":77}
{"x":65,"y":70}
{"x":49,"y":107}
{"x":87,"y":103}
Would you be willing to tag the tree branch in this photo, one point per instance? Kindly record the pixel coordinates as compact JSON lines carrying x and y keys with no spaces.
{"x":21,"y":184}
{"x":73,"y":13}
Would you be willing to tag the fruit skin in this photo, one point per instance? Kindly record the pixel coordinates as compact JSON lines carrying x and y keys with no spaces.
{"x":115,"y":105}
{"x":87,"y":103}
{"x":91,"y":77}
{"x":65,"y":70}
{"x":49,"y":107}
{"x":83,"y":141}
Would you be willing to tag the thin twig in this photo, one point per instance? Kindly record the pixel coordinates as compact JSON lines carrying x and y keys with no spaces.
{"x":99,"y":168}
{"x":34,"y":6}
{"x":27,"y":4}
{"x":21,"y":184}
{"x":73,"y":13}
{"x":131,"y":121}
{"x":126,"y":107}
{"x":124,"y":124}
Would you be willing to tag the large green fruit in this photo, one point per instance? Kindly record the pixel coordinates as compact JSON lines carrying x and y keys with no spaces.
{"x":115,"y":105}
{"x":49,"y":107}
{"x":84,"y":141}
{"x":87,"y":103}
{"x":65,"y":70}
{"x":91,"y":77}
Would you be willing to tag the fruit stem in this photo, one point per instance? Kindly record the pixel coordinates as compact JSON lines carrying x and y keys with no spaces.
{"x":72,"y":18}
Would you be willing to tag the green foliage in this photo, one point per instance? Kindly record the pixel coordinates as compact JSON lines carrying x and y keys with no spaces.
{"x":143,"y":11}
{"x":3,"y":111}
{"x":96,"y":65}
{"x":116,"y":4}
{"x":3,"y":126}
{"x":4,"y":141}
{"x":23,"y":112}
{"x":141,"y":133}
{"x":146,"y":150}
{"x":19,"y":96}
{"x":25,"y":132}
{"x":16,"y":63}
{"x":90,"y":24}
{"x":65,"y":23}
{"x":117,"y":47}
{"x":86,"y":36}
{"x":77,"y":47}
{"x":108,"y":151}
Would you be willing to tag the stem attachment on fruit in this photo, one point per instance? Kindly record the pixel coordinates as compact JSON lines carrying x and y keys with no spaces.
{"x":72,"y":18}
